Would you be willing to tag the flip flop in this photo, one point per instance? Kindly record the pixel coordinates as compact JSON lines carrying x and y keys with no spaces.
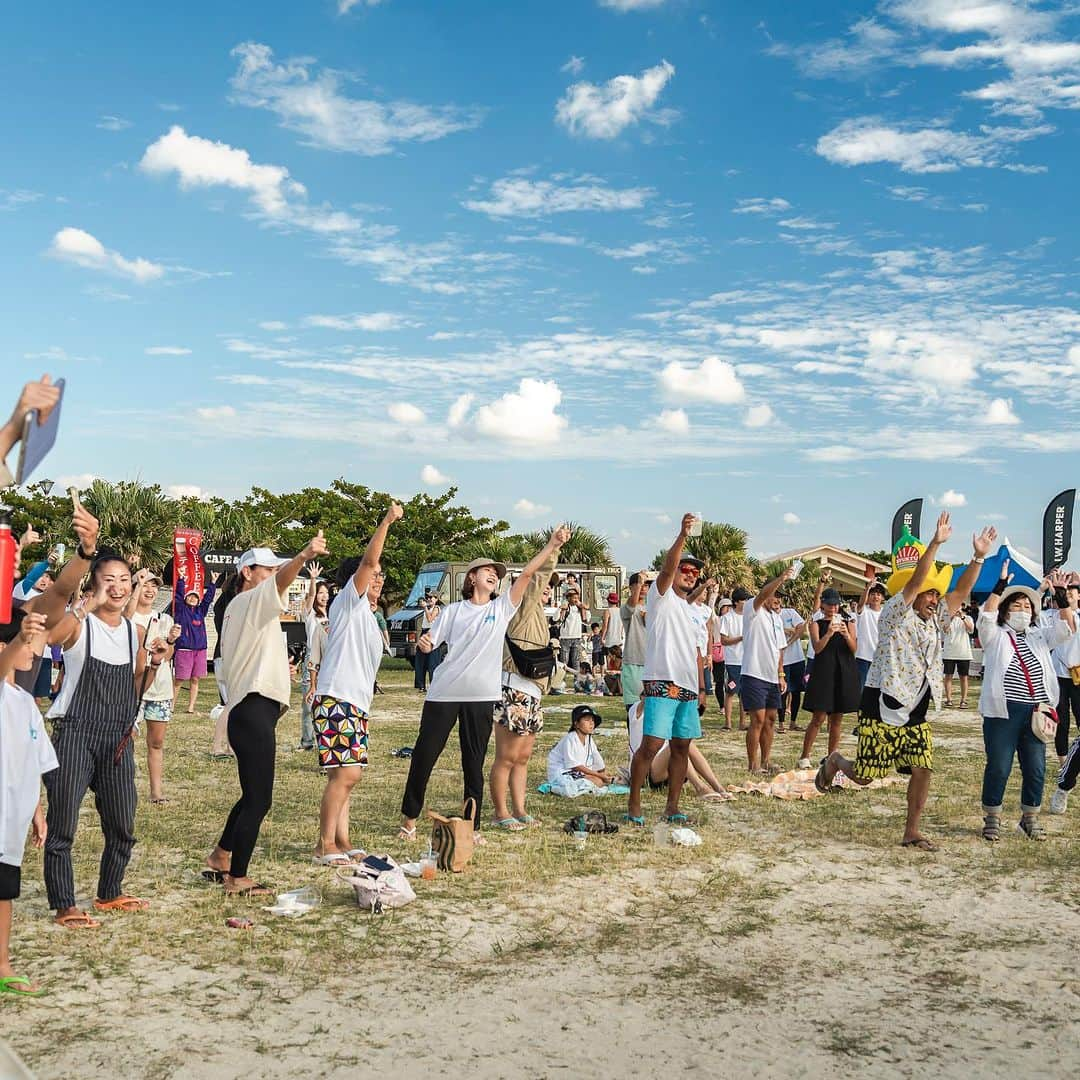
{"x":356,"y":853}
{"x":9,"y":985}
{"x":214,"y":877}
{"x":406,"y":834}
{"x":528,"y":819}
{"x":921,"y":843}
{"x":631,"y":820}
{"x":258,"y":889}
{"x":510,"y":824}
{"x":676,"y":819}
{"x":334,"y":858}
{"x":122,"y":903}
{"x":77,"y":920}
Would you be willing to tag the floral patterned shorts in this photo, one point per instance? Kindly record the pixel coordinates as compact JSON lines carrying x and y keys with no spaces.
{"x":521,"y":713}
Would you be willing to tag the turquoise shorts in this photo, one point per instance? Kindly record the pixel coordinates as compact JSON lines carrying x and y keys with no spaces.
{"x":666,"y":718}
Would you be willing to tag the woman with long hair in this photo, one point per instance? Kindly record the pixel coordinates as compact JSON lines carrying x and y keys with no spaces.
{"x":519,"y":716}
{"x":468,"y":683}
{"x":255,"y":659}
{"x":1018,"y":678}
{"x":315,"y":609}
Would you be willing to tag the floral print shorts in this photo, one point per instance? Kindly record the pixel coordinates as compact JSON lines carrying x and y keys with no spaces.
{"x":521,"y":713}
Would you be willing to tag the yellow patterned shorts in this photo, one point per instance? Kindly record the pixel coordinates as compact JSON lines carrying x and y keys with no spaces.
{"x":883,"y":747}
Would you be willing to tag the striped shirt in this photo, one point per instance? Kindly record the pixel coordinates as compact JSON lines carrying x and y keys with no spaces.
{"x":1016,"y":685}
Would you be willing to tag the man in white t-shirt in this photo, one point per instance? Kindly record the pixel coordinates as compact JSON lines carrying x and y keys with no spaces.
{"x":731,"y":637}
{"x":575,"y":618}
{"x":674,"y":682}
{"x":762,"y":682}
{"x":866,"y":625}
{"x":794,"y":666}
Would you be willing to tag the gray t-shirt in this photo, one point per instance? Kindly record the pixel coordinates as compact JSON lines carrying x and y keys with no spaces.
{"x":633,"y":620}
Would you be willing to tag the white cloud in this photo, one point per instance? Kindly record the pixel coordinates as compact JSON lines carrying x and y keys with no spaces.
{"x":1074,"y":356}
{"x":373,"y":322}
{"x":622,"y":6}
{"x":459,"y":410}
{"x":528,"y":415}
{"x":311,"y":102}
{"x":951,"y":498}
{"x":520,"y":197}
{"x":167,"y":350}
{"x":77,"y":480}
{"x":791,"y":519}
{"x":112,"y":123}
{"x":759,"y":205}
{"x":574,"y":66}
{"x":217,"y":412}
{"x":12,"y":200}
{"x":759,"y":416}
{"x":1000,"y":411}
{"x":604,"y":112}
{"x":431,"y":476}
{"x":527,"y":508}
{"x":664,"y":519}
{"x":832,"y":453}
{"x":345,"y":6}
{"x":867,"y":141}
{"x":273,"y":324}
{"x":186,"y":491}
{"x":928,"y":356}
{"x":403,"y":412}
{"x":711,"y":380}
{"x":674,"y":421}
{"x":79,"y":247}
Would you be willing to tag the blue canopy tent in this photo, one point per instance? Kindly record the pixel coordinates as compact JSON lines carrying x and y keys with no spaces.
{"x":1022,"y":569}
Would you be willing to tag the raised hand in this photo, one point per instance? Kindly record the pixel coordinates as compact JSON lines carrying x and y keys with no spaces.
{"x":687,"y":524}
{"x":86,"y":528}
{"x":173,"y":635}
{"x":944,"y":528}
{"x":29,"y":537}
{"x":40,"y":395}
{"x":33,"y":624}
{"x":1056,"y":579}
{"x":1005,"y":575}
{"x":984,"y":541}
{"x":559,"y":537}
{"x":395,"y":513}
{"x":315,"y":569}
{"x":158,"y":650}
{"x":316,"y":546}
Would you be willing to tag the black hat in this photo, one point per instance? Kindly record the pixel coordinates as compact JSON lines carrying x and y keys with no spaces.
{"x":691,"y":560}
{"x":831,"y":596}
{"x":581,"y":711}
{"x":741,"y":594}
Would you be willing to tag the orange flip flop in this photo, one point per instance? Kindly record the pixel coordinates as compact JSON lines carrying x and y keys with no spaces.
{"x":77,"y":920}
{"x":121,"y":903}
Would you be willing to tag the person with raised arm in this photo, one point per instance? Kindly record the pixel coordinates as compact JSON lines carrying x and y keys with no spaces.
{"x":342,"y":689}
{"x":907,"y":674}
{"x":467,"y":685}
{"x":255,"y":663}
{"x":632,"y":616}
{"x":105,"y":661}
{"x":41,"y":395}
{"x":314,"y":609}
{"x":674,"y":679}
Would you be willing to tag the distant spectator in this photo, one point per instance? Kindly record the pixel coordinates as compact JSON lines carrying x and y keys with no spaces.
{"x":189,"y":660}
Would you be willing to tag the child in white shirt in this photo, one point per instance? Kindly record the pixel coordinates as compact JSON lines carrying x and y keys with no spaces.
{"x":25,"y":756}
{"x":574,"y":764}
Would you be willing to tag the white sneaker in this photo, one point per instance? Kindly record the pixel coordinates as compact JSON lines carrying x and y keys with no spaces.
{"x":1059,"y":801}
{"x":804,"y":763}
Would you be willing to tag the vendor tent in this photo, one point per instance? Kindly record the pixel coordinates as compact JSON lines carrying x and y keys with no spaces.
{"x":1024,"y":571}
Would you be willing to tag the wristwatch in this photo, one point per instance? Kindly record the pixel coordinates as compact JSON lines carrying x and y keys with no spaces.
{"x":979,"y":559}
{"x":87,"y":555}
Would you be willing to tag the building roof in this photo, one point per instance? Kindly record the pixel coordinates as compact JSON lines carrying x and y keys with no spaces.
{"x":832,"y":556}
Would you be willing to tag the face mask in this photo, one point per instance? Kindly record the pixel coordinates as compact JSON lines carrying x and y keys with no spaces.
{"x":1019,"y":621}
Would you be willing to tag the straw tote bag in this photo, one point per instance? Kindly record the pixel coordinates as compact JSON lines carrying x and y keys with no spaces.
{"x":452,"y":838}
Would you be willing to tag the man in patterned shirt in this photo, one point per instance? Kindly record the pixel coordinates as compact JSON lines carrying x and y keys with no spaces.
{"x":906,"y":675}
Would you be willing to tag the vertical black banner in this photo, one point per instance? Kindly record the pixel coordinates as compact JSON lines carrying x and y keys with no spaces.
{"x":1057,"y":530}
{"x":910,"y":514}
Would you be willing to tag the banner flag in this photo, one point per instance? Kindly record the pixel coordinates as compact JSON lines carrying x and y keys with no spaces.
{"x":909,"y":514}
{"x":1057,"y":530}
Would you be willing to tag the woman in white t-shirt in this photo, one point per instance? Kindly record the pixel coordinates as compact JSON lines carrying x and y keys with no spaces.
{"x":157,"y":700}
{"x":316,"y":612}
{"x":467,"y":684}
{"x":349,"y":663}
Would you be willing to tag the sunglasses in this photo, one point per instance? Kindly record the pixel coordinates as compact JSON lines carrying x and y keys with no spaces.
{"x":694,"y":571}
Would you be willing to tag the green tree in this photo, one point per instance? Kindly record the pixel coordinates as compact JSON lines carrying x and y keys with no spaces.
{"x":722,"y":547}
{"x":137,"y":519}
{"x":798,"y":594}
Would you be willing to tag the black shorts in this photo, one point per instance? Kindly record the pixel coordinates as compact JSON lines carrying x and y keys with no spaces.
{"x":10,"y":881}
{"x":957,"y":667}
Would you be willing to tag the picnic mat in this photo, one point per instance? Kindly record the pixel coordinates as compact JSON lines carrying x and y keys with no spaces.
{"x":799,"y":784}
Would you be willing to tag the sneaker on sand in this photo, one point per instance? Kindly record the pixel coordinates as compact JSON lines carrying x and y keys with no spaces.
{"x":804,"y":763}
{"x":1059,"y":801}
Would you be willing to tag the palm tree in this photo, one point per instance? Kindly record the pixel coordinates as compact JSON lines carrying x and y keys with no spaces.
{"x":584,"y":548}
{"x":722,"y":547}
{"x":137,"y":520}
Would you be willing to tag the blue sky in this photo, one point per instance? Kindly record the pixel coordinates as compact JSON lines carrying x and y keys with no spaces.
{"x":606,"y":260}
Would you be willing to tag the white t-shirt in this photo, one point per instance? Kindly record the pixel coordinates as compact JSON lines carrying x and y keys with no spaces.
{"x":25,"y":756}
{"x":957,"y":644}
{"x":793,"y":653}
{"x":474,"y":633}
{"x":635,"y":729}
{"x":352,"y":651}
{"x":571,"y":625}
{"x":731,"y":626}
{"x":570,"y":752}
{"x":158,"y":625}
{"x":763,"y":642}
{"x":810,"y":641}
{"x":253,"y":649}
{"x":671,"y":640}
{"x":1047,"y":620}
{"x":701,"y":613}
{"x":866,"y":633}
{"x":111,"y":645}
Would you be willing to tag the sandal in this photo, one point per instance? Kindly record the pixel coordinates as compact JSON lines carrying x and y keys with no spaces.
{"x":334,"y":858}
{"x":963,"y":704}
{"x":212,"y":875}
{"x":631,"y":820}
{"x":406,"y":834}
{"x":920,"y":843}
{"x":258,"y":889}
{"x":528,"y":819}
{"x":122,"y":903}
{"x":511,"y":824}
{"x":991,"y":827}
{"x":159,"y":802}
{"x":356,"y":854}
{"x":77,"y":920}
{"x":1031,"y":828}
{"x":9,"y":984}
{"x":675,"y":819}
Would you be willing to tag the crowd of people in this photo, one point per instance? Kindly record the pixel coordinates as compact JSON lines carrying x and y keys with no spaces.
{"x":485,"y":663}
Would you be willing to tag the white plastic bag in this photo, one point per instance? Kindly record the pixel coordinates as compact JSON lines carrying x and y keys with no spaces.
{"x":379,"y":888}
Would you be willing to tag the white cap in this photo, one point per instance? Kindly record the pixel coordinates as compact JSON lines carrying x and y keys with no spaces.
{"x":724,"y":601}
{"x":260,"y":557}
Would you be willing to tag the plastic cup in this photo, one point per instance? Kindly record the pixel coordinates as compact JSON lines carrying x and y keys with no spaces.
{"x":579,"y":840}
{"x":428,"y":866}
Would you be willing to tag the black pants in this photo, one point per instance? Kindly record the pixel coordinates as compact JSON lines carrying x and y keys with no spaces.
{"x":719,"y":678}
{"x":1071,"y":769}
{"x":1068,"y":698}
{"x":252,"y":726}
{"x":795,"y":674}
{"x":424,"y":665}
{"x":474,"y":720}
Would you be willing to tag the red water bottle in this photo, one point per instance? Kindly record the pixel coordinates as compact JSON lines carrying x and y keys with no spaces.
{"x":7,"y":567}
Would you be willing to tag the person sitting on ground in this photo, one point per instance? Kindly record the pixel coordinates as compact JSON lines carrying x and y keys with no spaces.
{"x":574,"y":764}
{"x":699,"y":773}
{"x":907,"y":674}
{"x":957,"y":655}
{"x":26,"y":755}
{"x":189,"y":658}
{"x":1018,"y":676}
{"x":834,"y":683}
{"x":613,"y":671}
{"x":585,"y":682}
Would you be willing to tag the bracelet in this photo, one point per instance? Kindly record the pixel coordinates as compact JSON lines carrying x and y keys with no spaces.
{"x":978,"y":559}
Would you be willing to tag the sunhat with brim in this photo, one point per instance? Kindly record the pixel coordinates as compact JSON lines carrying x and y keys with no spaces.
{"x":724,"y":601}
{"x":612,"y":598}
{"x":500,"y":568}
{"x":938,"y":579}
{"x":580,"y":712}
{"x":1021,"y":590}
{"x":260,"y":556}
